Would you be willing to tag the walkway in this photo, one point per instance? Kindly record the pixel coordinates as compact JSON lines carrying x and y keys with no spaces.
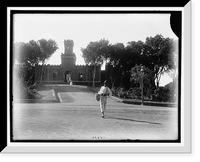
{"x":78,"y":117}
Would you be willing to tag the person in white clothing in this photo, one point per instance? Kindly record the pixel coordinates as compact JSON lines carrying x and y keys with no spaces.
{"x":104,"y":92}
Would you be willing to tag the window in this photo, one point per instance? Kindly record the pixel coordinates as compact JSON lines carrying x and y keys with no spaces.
{"x":80,"y":76}
{"x":54,"y":75}
{"x":42,"y":76}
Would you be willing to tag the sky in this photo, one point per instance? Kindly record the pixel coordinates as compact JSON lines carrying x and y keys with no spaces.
{"x":84,"y":28}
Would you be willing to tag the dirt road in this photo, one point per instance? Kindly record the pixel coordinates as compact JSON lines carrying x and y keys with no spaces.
{"x":78,"y":117}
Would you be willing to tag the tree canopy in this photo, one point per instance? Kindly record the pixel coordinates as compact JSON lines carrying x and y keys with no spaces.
{"x":32,"y":53}
{"x":95,"y":53}
{"x":157,"y":53}
{"x":47,"y":48}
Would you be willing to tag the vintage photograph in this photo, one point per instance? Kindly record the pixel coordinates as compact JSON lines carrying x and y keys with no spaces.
{"x":95,"y":77}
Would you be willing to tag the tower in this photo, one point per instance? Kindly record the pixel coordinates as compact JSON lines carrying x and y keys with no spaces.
{"x":68,"y":60}
{"x":69,"y":45}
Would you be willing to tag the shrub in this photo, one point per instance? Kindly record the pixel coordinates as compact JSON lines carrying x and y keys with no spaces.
{"x":134,"y":93}
{"x":163,"y":94}
{"x":24,"y":91}
{"x":119,"y":92}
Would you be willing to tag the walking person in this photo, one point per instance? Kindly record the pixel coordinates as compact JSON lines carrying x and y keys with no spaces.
{"x":104,"y":92}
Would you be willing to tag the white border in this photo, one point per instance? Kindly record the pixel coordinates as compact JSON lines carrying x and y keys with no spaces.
{"x":99,"y":8}
{"x":8,"y":77}
{"x":125,"y":148}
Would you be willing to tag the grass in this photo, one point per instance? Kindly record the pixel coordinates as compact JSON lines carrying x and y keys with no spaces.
{"x":39,"y":94}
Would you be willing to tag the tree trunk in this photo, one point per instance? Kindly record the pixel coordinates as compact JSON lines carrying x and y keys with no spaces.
{"x":94,"y":74}
{"x":122,"y":77}
{"x":158,"y":76}
{"x":42,"y":71}
{"x":158,"y":80}
{"x":112,"y":82}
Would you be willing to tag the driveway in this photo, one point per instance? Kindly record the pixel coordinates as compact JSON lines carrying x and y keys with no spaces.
{"x":78,"y":117}
{"x":76,"y":95}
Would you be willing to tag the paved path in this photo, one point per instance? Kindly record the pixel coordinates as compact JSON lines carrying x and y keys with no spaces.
{"x":76,"y":95}
{"x":78,"y":117}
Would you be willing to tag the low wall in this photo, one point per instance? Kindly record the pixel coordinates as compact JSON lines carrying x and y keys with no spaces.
{"x":87,"y":83}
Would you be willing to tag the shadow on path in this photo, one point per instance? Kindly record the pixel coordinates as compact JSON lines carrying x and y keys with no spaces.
{"x":132,"y":120}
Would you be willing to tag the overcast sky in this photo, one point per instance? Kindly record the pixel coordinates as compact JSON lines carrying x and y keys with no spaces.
{"x":83,"y":28}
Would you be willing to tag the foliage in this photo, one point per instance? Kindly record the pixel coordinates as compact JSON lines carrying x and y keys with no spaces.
{"x":134,"y":93}
{"x":134,"y":53}
{"x":23,"y":90}
{"x":159,"y":55}
{"x":115,"y":65}
{"x":116,"y":54}
{"x":173,"y":90}
{"x":28,"y":55}
{"x":34,"y":52}
{"x":95,"y":53}
{"x":47,"y":48}
{"x":143,"y":74}
{"x":163,"y":94}
{"x":168,"y":93}
{"x":121,"y":92}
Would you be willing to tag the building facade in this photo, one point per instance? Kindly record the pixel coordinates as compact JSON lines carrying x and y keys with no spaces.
{"x":68,"y":71}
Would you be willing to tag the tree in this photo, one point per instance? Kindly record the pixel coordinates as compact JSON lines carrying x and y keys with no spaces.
{"x":30,"y":54}
{"x":135,"y":50}
{"x":159,"y":55}
{"x":26,"y":56}
{"x":47,"y":48}
{"x":95,"y":53}
{"x":115,"y":65}
{"x":146,"y":76}
{"x":26,"y":53}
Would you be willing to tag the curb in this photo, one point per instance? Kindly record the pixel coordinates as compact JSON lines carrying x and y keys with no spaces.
{"x":149,"y":103}
{"x":135,"y":102}
{"x":145,"y":103}
{"x":116,"y":99}
{"x":59,"y":97}
{"x":34,"y":101}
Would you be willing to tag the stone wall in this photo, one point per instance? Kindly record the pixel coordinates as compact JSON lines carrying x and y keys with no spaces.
{"x":55,"y":73}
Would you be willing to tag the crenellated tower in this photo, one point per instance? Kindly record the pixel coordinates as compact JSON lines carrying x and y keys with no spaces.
{"x":68,"y":58}
{"x":69,"y":45}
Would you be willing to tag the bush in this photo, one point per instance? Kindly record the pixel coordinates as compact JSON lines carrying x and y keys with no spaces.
{"x":163,"y":94}
{"x":134,"y":93}
{"x":24,"y":91}
{"x":121,"y":92}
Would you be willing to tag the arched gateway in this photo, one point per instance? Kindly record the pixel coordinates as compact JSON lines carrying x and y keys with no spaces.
{"x":67,"y":76}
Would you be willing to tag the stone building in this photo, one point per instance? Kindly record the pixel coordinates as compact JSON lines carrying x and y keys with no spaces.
{"x":68,"y":71}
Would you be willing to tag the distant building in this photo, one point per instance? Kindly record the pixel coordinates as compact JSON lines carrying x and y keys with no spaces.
{"x":68,"y":71}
